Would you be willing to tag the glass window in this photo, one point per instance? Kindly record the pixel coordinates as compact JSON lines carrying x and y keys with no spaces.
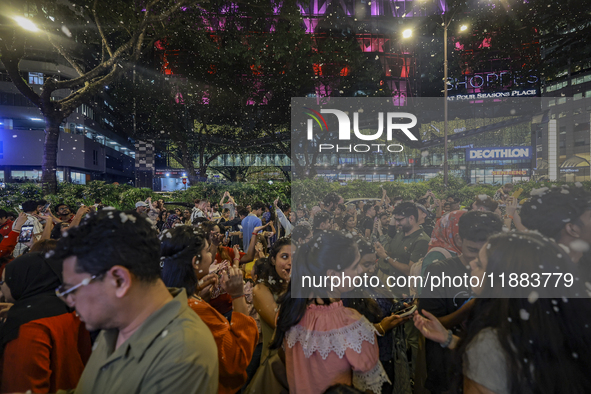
{"x":78,"y":178}
{"x":35,"y":78}
{"x":577,"y":96}
{"x":26,"y":175}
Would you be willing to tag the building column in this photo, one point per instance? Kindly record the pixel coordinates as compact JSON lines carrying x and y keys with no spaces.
{"x":552,"y":150}
{"x":144,"y":164}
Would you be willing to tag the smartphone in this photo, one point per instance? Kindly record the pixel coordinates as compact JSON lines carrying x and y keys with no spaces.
{"x":227,"y":233}
{"x":46,"y":207}
{"x":407,"y":311}
{"x":26,"y":233}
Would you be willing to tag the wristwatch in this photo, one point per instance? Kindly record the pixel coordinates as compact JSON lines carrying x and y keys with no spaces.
{"x":388,"y":258}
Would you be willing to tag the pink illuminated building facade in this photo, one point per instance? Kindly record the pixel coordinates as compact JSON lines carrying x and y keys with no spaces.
{"x":377,"y":26}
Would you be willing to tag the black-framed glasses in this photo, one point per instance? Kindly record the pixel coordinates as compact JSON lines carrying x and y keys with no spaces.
{"x":62,"y":293}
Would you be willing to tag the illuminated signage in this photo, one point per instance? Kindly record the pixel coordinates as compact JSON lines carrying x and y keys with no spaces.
{"x":503,"y":79}
{"x":480,"y":96}
{"x":512,"y":172}
{"x":499,"y":153}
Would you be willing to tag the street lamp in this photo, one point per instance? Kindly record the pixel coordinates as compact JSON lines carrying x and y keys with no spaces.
{"x":445,"y":63}
{"x":26,"y":24}
{"x":407,"y":34}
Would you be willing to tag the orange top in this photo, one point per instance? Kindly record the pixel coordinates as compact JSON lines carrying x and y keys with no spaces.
{"x":235,"y":343}
{"x":49,"y":354}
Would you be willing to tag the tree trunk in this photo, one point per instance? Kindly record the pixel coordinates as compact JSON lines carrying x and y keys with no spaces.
{"x":188,"y":163}
{"x":286,"y":173}
{"x":49,"y":163}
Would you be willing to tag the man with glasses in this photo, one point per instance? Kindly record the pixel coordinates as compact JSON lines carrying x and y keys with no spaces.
{"x":151,"y":341}
{"x":63,"y":213}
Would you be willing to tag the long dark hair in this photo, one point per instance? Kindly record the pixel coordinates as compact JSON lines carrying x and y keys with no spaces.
{"x":364,"y":300}
{"x":177,"y":249}
{"x":328,"y":250}
{"x":543,"y":338}
{"x":346,"y":219}
{"x":267,"y":273}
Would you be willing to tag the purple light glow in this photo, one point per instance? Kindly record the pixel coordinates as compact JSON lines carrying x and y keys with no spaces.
{"x":277,"y":7}
{"x":310,"y":25}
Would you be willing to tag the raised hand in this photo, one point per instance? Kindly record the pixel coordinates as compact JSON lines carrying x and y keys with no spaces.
{"x":511,"y":206}
{"x":206,"y":285}
{"x":232,"y":282}
{"x":430,"y":327}
{"x":389,"y":322}
{"x":236,"y":255}
{"x":20,"y":220}
{"x":380,"y":251}
{"x":259,"y":228}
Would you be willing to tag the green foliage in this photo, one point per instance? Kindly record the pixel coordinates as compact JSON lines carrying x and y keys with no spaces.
{"x":311,"y":191}
{"x":308,"y":191}
{"x":121,"y":197}
{"x":243,"y":193}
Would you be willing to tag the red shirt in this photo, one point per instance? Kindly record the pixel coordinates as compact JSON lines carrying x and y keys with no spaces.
{"x":49,"y":354}
{"x":6,"y":228}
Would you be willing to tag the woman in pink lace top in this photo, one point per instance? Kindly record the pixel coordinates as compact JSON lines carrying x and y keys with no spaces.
{"x":326,"y":343}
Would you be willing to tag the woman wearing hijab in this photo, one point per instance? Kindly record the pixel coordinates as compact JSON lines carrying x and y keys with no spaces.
{"x":44,"y":345}
{"x":443,"y":239}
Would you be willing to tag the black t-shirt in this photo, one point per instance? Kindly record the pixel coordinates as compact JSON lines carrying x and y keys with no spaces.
{"x":441,"y":302}
{"x":428,"y":226}
{"x":366,"y":224}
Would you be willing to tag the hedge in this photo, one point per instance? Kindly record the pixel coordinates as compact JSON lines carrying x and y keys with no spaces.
{"x":308,"y":191}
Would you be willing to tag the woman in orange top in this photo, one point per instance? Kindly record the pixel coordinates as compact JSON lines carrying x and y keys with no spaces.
{"x":186,"y":258}
{"x":45,"y":346}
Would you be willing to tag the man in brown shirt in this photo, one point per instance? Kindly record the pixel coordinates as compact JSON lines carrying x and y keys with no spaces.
{"x":151,"y":341}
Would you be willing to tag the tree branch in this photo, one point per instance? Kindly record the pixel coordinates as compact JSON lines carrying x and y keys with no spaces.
{"x":65,"y":55}
{"x":117,"y":56}
{"x":11,"y":60}
{"x":70,"y":103}
{"x":100,"y":29}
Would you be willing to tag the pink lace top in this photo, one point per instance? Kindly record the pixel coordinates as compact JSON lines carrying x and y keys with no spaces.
{"x":330,"y":345}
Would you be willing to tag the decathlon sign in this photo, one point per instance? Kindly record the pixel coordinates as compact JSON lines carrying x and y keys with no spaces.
{"x":499,"y":153}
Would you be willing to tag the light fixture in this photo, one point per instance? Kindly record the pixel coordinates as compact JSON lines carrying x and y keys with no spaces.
{"x":407,"y":33}
{"x":37,"y":119}
{"x":26,"y":24}
{"x":463,"y":28}
{"x":167,"y":174}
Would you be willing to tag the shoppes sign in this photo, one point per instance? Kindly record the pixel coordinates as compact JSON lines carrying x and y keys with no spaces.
{"x":499,"y":153}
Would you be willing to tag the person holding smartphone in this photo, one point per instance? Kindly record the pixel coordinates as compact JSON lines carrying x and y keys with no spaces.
{"x":30,"y":208}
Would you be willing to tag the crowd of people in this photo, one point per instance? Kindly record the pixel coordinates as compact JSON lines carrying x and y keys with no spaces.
{"x":211,"y":298}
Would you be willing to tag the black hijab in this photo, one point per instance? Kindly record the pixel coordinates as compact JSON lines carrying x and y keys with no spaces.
{"x":32,"y":280}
